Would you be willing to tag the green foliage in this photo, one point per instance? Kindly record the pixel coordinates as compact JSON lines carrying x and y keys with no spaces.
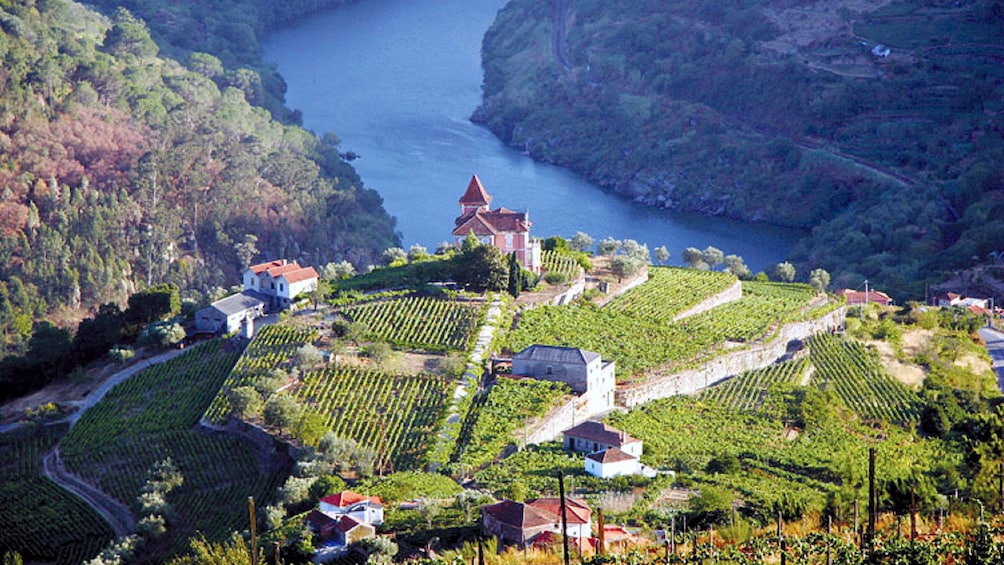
{"x":411,"y":485}
{"x":481,"y":268}
{"x":509,"y":405}
{"x":154,"y":415}
{"x":42,"y":521}
{"x":418,"y":322}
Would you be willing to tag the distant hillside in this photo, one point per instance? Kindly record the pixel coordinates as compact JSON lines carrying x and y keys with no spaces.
{"x":876,"y":124}
{"x":120,"y":168}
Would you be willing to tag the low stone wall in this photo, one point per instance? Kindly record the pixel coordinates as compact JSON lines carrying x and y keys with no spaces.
{"x":571,"y":413}
{"x":726,"y":365}
{"x":571,"y":294}
{"x":731,"y":294}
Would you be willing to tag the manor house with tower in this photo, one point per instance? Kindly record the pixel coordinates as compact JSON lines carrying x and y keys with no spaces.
{"x":506,"y":229}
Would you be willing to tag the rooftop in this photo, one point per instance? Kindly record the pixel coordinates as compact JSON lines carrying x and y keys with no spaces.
{"x":555,"y":354}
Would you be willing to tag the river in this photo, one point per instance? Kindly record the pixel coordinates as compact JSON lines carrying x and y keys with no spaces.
{"x":397,"y":80}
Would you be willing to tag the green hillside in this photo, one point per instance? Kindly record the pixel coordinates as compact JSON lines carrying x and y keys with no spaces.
{"x":774,"y":112}
{"x":121,"y":168}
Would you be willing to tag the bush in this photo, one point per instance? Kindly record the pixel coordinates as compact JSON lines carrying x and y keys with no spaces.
{"x":121,"y":353}
{"x":556,"y":278}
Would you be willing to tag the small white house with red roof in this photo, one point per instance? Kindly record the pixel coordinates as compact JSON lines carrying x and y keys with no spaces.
{"x":367,"y":509}
{"x":281,"y":282}
{"x":506,"y":229}
{"x":590,"y":437}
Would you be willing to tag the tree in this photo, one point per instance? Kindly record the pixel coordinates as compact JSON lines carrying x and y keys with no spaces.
{"x":320,"y":292}
{"x":245,"y":401}
{"x":153,"y":304}
{"x":624,"y":266}
{"x":161,"y":334}
{"x":232,"y":552}
{"x":734,"y":264}
{"x":515,"y":276}
{"x":608,"y":246}
{"x":311,"y":427}
{"x":661,"y":254}
{"x":417,"y":253}
{"x":712,"y":256}
{"x":428,"y":510}
{"x":555,"y":243}
{"x":339,"y":270}
{"x":819,"y":279}
{"x":635,"y":250}
{"x":282,"y":411}
{"x":693,"y":257}
{"x":379,"y":352}
{"x":481,"y":268}
{"x":246,"y":250}
{"x":580,"y":242}
{"x":784,"y":272}
{"x":394,"y":256}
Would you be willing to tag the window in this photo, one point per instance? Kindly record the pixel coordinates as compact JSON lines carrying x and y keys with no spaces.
{"x":550,"y":370}
{"x":508,"y":241}
{"x":281,"y":287}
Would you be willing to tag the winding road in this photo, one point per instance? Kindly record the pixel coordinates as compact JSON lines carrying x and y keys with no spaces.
{"x":559,"y":41}
{"x":117,"y":514}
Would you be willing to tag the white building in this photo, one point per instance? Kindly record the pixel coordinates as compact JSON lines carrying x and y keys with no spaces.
{"x":280,"y":282}
{"x":590,"y":437}
{"x":367,"y":509}
{"x":614,"y":462}
{"x":585,"y":372}
{"x":227,"y":314}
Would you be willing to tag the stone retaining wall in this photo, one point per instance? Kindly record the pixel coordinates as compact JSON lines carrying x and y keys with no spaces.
{"x":731,"y":294}
{"x":727,"y":365}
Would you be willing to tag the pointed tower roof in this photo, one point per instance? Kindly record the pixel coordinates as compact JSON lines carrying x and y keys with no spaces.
{"x":475,"y":194}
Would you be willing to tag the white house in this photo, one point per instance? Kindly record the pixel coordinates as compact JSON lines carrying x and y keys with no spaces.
{"x":584,"y":371}
{"x":614,"y":462}
{"x":227,"y":314}
{"x":590,"y":437}
{"x":367,"y":509}
{"x":281,"y":282}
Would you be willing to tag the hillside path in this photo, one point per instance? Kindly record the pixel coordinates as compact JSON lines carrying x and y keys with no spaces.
{"x":559,"y":41}
{"x":995,"y":347}
{"x":112,"y":511}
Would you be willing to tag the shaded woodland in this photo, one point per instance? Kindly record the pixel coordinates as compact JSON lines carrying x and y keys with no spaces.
{"x":122,"y":169}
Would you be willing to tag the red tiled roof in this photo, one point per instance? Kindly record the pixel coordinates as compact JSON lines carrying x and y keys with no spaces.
{"x":348,"y":523}
{"x":520,"y":515}
{"x":860,"y":297}
{"x":476,"y":195}
{"x":281,"y":269}
{"x":491,"y":222}
{"x":576,"y":512}
{"x":318,"y":519}
{"x":600,"y":433}
{"x":265,"y":266}
{"x":347,"y":498}
{"x":612,"y":455}
{"x":306,"y":273}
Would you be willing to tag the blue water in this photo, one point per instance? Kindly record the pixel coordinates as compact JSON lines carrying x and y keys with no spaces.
{"x":397,"y":80}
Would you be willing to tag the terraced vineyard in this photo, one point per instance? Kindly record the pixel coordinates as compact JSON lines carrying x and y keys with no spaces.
{"x":748,"y":390}
{"x":56,"y":526}
{"x":555,"y":262}
{"x":272,"y":348}
{"x":509,"y":405}
{"x":394,"y":414}
{"x":154,"y":415}
{"x":419,"y":322}
{"x":640,"y":336}
{"x":857,"y":376}
{"x":669,"y":291}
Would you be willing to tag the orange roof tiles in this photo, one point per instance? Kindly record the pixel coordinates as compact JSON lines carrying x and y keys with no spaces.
{"x":476,"y":195}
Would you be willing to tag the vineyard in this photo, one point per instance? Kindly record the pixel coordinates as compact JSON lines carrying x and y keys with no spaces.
{"x":509,"y":405}
{"x":640,"y":336}
{"x":419,"y":322}
{"x":857,"y":376}
{"x":272,"y":348}
{"x":56,"y":526}
{"x":669,"y":291}
{"x":747,"y":391}
{"x":154,"y":415}
{"x":394,"y":414}
{"x":794,"y":475}
{"x":556,"y":262}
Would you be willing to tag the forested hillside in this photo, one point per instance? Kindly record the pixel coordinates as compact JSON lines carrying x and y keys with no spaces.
{"x":878,"y":125}
{"x":120,"y":169}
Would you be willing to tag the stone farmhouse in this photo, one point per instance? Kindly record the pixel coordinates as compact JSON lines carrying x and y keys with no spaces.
{"x":227,"y":315}
{"x":585,"y":372}
{"x":506,"y":229}
{"x":279,"y":282}
{"x":521,"y":524}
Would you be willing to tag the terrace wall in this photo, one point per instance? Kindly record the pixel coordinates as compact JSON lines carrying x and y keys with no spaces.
{"x":570,"y":413}
{"x":731,"y":294}
{"x":759,"y":354}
